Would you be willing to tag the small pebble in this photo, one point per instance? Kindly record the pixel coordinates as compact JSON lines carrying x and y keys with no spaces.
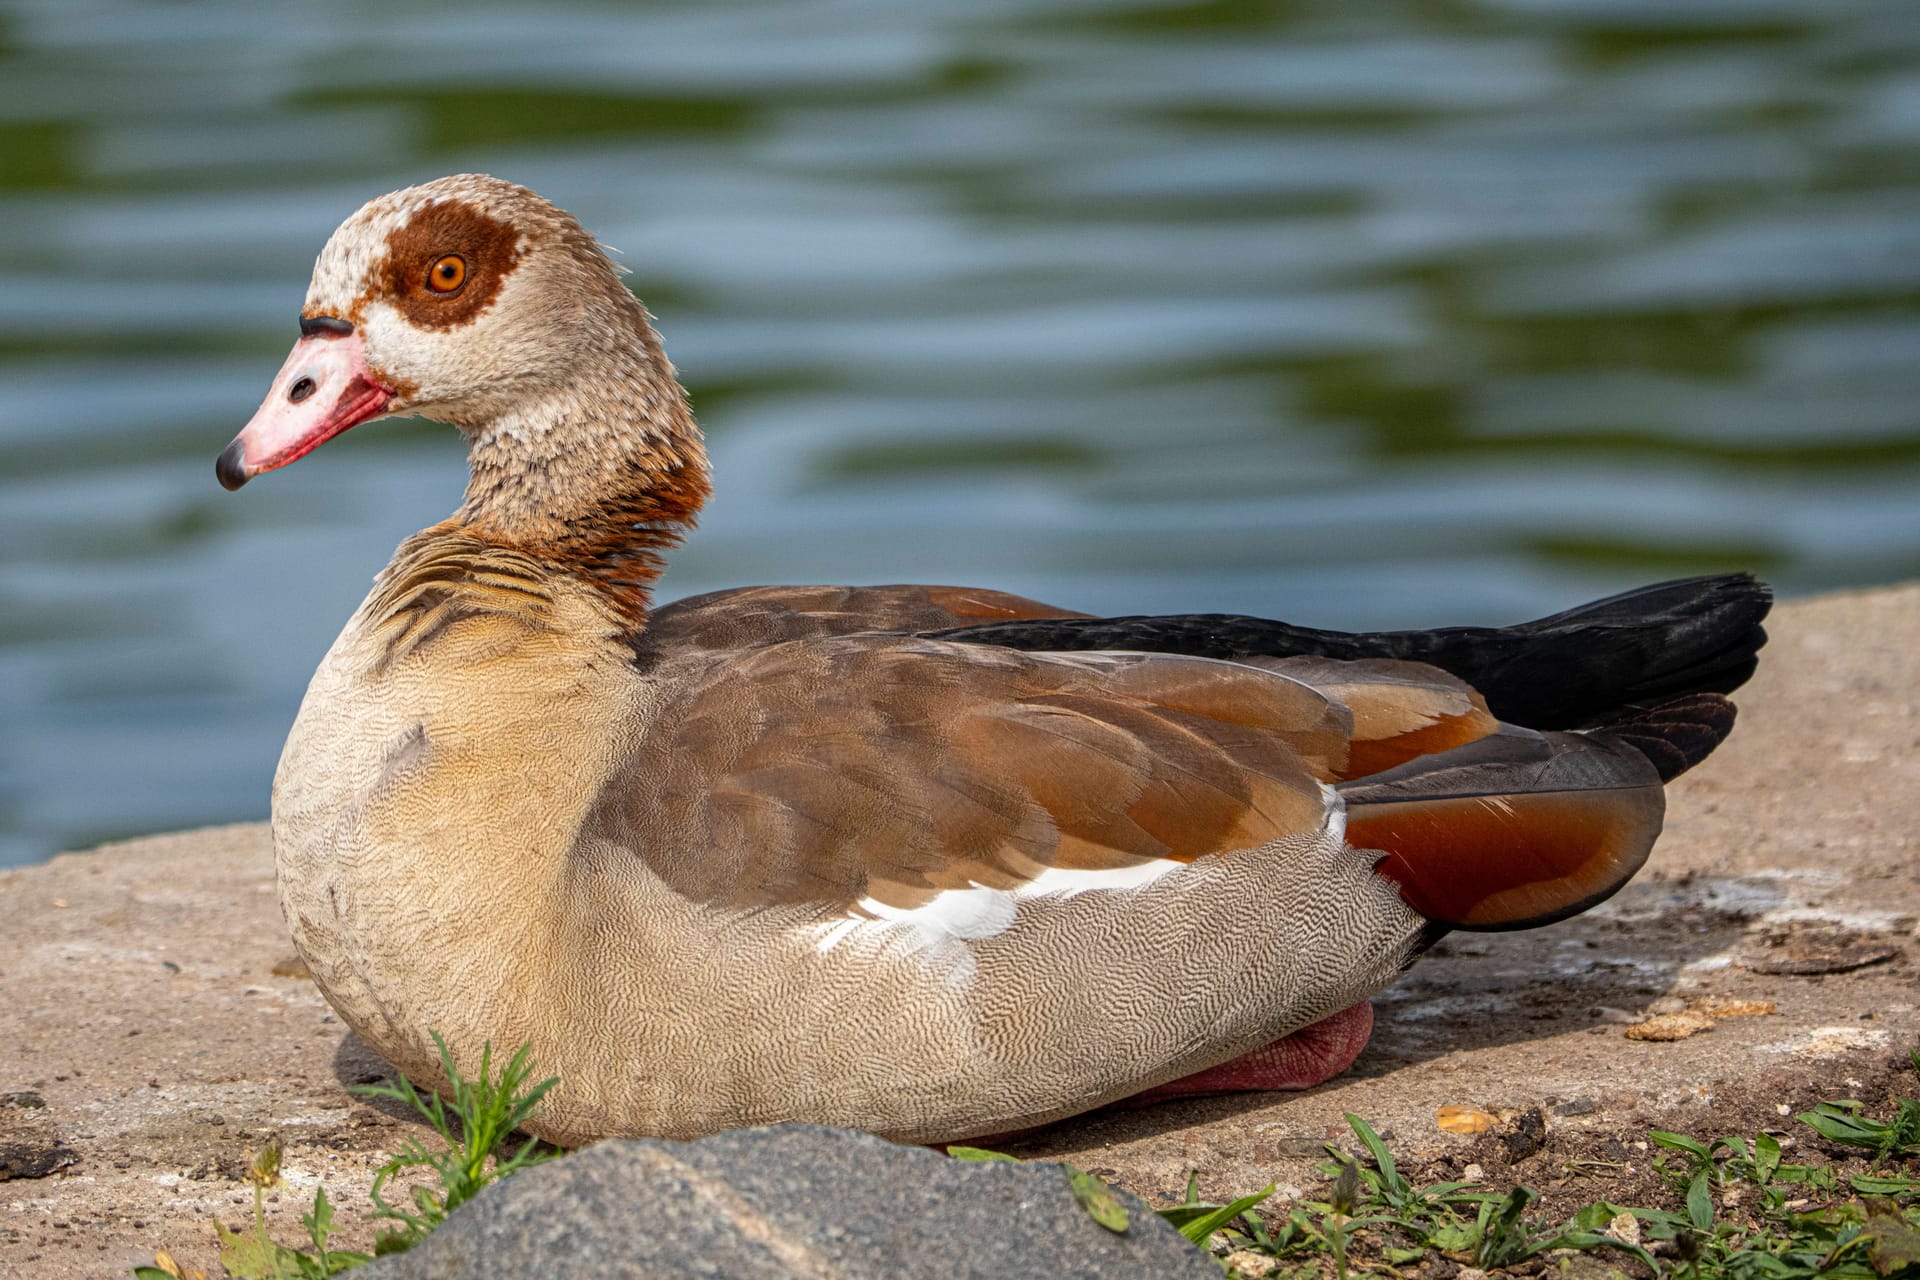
{"x":1455,"y":1118}
{"x":1670,"y":1026}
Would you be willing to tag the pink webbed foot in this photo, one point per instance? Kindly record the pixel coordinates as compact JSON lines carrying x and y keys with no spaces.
{"x":1312,"y":1055}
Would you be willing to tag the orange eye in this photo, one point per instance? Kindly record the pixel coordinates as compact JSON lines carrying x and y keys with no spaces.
{"x":447,"y":274}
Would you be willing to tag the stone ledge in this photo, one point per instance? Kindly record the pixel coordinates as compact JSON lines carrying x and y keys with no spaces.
{"x":795,"y":1201}
{"x":151,"y":1033}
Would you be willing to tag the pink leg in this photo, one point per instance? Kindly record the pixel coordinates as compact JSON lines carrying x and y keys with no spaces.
{"x":1310,"y":1056}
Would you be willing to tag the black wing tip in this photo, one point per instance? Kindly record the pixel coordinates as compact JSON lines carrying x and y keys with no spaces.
{"x":1594,"y":664}
{"x":1575,"y":669}
{"x":1740,"y":598}
{"x":1732,"y":599}
{"x":1677,"y":734}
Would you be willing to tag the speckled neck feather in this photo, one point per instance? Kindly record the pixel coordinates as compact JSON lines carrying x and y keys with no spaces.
{"x":584,"y":455}
{"x":604,"y":474}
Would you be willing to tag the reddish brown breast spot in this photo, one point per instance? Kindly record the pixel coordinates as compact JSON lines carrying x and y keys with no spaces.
{"x":487,"y":249}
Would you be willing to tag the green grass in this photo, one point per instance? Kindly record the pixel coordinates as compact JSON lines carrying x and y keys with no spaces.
{"x":1734,"y":1208}
{"x":475,"y":1133}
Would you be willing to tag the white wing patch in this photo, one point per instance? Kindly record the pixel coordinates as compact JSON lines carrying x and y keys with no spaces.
{"x":1062,"y":881}
{"x":1335,"y":823}
{"x":965,"y":914}
{"x":978,"y":912}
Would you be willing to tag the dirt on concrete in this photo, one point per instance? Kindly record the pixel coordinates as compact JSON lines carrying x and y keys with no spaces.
{"x":155,"y":1029}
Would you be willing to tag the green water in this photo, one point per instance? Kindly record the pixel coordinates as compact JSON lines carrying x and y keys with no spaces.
{"x":1360,"y":314}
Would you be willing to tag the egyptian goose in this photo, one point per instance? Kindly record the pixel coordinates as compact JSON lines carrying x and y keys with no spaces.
{"x":927,"y":861}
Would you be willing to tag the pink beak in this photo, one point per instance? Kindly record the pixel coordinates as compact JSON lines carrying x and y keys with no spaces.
{"x":322,"y":389}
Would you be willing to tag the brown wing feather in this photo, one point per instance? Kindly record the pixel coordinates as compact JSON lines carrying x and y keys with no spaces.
{"x":893,"y":767}
{"x":752,"y":616}
{"x":833,"y":767}
{"x":1401,"y":710}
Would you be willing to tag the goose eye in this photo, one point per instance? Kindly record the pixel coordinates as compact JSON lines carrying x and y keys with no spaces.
{"x":447,"y":274}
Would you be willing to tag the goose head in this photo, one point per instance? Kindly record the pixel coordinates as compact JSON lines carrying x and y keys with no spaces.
{"x":467,"y":299}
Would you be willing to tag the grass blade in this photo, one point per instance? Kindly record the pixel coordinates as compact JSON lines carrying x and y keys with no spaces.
{"x":979,"y":1155}
{"x":1390,"y":1179}
{"x":1098,"y":1199}
{"x":1198,"y":1228}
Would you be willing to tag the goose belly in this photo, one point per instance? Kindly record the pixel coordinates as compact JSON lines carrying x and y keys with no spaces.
{"x":744,"y":1018}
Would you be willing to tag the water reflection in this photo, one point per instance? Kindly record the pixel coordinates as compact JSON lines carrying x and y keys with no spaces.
{"x":1368,"y":314}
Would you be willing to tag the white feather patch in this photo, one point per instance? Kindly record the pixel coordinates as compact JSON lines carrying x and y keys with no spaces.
{"x":1059,"y":880}
{"x":971,"y":914}
{"x":1335,"y":822}
{"x":966,"y":914}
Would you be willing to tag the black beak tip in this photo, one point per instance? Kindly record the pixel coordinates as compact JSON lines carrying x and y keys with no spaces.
{"x":229,"y":467}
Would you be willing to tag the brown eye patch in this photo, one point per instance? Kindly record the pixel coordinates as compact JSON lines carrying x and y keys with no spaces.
{"x":445,"y":265}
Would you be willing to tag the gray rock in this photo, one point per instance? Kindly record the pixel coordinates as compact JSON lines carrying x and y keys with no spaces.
{"x":790,"y":1201}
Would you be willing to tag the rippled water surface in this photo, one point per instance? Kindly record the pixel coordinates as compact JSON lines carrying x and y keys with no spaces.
{"x":1352,"y":313}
